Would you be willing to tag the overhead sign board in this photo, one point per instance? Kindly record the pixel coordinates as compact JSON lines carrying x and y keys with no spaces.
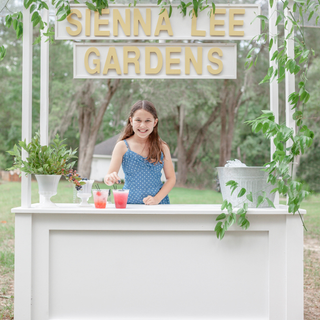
{"x":154,"y":60}
{"x":142,"y":22}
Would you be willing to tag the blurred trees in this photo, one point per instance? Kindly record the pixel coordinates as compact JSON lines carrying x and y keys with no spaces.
{"x":309,"y":165}
{"x":11,"y":94}
{"x":90,"y":116}
{"x":308,"y":170}
{"x":202,"y":121}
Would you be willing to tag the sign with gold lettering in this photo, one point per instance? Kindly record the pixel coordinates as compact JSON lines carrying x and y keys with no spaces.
{"x":121,"y":22}
{"x":154,"y":60}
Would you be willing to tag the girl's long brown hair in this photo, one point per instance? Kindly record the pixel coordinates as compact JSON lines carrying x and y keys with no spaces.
{"x":155,"y":142}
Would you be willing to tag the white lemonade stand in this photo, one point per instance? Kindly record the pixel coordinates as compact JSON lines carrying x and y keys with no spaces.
{"x":152,"y":262}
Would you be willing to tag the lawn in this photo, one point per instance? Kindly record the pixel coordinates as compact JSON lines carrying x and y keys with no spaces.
{"x":10,"y":196}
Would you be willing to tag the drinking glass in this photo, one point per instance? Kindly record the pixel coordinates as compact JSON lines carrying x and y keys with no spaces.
{"x":100,"y":197}
{"x":120,"y":198}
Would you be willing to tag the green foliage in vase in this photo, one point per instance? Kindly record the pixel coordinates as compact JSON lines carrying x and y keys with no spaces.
{"x":54,"y":159}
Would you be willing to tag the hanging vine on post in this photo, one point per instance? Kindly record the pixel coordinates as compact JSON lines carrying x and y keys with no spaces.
{"x":280,"y":169}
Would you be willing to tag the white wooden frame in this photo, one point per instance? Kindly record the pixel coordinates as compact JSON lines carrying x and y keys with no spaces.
{"x":33,"y":225}
{"x":26,"y":128}
{"x":44,"y":103}
{"x":274,"y":86}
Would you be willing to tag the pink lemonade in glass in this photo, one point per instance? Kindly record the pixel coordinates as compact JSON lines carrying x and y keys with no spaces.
{"x":100,"y":198}
{"x":120,"y":198}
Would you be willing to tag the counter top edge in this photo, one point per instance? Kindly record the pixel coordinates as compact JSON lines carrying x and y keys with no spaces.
{"x":178,"y":209}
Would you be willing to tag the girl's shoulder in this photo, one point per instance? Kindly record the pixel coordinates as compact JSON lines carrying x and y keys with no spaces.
{"x":120,"y":147}
{"x":165,"y":148}
{"x":120,"y":143}
{"x":164,"y":144}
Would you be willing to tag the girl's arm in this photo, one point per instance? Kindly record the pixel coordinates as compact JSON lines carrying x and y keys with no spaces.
{"x":170,"y":176}
{"x":115,"y":164}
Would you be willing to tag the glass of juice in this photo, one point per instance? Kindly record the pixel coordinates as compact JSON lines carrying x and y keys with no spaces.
{"x":120,"y":198}
{"x":100,"y":198}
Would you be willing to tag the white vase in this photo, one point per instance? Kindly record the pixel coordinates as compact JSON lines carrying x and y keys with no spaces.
{"x":48,"y":185}
{"x":85,"y":193}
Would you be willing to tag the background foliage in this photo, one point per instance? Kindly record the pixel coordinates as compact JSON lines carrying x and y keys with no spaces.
{"x":199,"y":99}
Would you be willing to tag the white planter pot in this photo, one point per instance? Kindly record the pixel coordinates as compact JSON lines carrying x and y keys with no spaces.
{"x":253,"y":179}
{"x":48,"y":185}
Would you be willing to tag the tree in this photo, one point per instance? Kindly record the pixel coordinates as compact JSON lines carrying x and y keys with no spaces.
{"x":82,"y":103}
{"x":231,"y":94}
{"x":90,"y":119}
{"x":308,"y":170}
{"x":67,"y":97}
{"x":62,"y":87}
{"x":11,"y":94}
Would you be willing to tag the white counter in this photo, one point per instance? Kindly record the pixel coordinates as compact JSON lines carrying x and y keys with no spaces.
{"x":156,"y":262}
{"x":70,"y":208}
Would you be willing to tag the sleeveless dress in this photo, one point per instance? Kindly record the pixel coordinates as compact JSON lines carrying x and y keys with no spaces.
{"x":142,"y":178}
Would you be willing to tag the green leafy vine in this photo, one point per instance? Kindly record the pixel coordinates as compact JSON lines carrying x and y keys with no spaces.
{"x":287,"y":144}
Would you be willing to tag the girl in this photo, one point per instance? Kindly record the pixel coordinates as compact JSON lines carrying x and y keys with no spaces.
{"x":142,"y":154}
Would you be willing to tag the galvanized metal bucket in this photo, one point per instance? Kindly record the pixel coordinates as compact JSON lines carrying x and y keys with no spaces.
{"x":253,"y":179}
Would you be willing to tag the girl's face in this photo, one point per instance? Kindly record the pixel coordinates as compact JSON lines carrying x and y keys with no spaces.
{"x":143,"y":123}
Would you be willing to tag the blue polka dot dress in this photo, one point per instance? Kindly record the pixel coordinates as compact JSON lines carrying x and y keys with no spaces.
{"x":142,"y":178}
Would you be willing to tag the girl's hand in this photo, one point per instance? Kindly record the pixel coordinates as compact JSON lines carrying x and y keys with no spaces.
{"x":149,"y":200}
{"x":111,"y":178}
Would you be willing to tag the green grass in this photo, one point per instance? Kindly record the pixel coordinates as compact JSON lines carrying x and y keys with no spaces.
{"x":7,"y":259}
{"x":194,"y":196}
{"x":177,"y":195}
{"x":6,"y":311}
{"x":312,"y":218}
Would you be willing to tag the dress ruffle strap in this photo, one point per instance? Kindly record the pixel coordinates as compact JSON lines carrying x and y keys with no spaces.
{"x":125,"y":141}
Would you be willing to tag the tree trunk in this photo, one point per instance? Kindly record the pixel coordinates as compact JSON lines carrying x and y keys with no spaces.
{"x":85,"y":110}
{"x":182,"y":162}
{"x":200,"y":137}
{"x":223,"y":130}
{"x":229,"y":108}
{"x":186,"y":158}
{"x":90,"y":121}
